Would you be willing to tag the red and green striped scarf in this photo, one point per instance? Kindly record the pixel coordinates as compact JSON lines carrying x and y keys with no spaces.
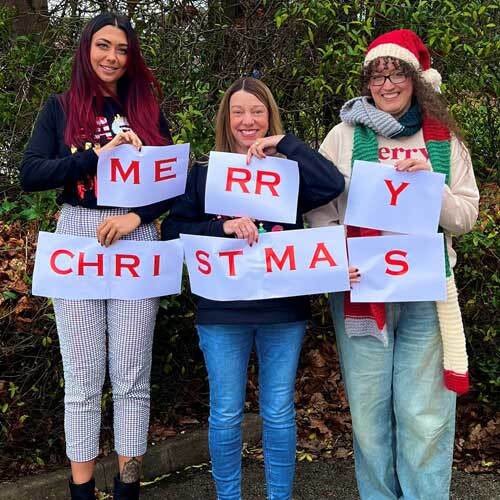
{"x":363,"y":319}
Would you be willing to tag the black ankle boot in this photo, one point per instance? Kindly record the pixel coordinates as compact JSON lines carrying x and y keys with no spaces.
{"x":126,"y":491}
{"x":85,"y":491}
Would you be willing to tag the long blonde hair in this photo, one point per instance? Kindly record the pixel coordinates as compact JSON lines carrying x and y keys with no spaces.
{"x":224,"y":139}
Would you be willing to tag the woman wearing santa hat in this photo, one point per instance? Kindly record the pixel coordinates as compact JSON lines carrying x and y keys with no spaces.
{"x":402,"y":363}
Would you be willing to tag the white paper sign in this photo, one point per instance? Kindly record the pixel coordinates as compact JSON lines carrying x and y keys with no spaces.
{"x":74,"y":267}
{"x":382,"y":198}
{"x":127,"y":177}
{"x":398,"y":268}
{"x":266,"y":189}
{"x":281,"y":264}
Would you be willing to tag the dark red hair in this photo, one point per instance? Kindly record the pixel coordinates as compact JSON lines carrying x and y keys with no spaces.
{"x":138,"y":90}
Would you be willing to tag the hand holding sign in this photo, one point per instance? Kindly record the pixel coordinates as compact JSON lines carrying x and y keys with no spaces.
{"x":263,"y":147}
{"x":124,"y":137}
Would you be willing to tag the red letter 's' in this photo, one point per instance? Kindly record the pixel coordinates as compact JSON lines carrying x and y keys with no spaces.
{"x":207,"y":269}
{"x":396,"y":262}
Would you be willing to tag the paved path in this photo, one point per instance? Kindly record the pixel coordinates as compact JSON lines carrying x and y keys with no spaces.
{"x":314,"y":481}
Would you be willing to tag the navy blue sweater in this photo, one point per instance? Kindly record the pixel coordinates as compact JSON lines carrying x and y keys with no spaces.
{"x":48,"y":162}
{"x":320,"y":182}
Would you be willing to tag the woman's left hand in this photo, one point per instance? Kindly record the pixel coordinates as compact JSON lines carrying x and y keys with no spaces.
{"x":265,"y":146}
{"x":114,"y":228}
{"x":411,"y":165}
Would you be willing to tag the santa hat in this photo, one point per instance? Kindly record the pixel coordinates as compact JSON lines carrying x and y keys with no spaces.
{"x":407,"y":46}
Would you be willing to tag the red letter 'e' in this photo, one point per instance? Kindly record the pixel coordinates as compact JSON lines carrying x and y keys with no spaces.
{"x":159,"y":170}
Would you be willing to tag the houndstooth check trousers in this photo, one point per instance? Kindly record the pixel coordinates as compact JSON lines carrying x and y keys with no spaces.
{"x":85,"y":329}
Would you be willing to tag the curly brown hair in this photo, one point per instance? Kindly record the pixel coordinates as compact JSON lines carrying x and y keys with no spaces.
{"x":431,"y":103}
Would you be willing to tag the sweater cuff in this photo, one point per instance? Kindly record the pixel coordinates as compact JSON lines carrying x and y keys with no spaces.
{"x":87,"y":161}
{"x":219,"y":229}
{"x":288,"y":144}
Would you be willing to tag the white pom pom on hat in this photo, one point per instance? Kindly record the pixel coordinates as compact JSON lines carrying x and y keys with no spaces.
{"x":407,"y":46}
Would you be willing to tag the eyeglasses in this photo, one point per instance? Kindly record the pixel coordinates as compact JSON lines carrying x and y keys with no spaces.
{"x":379,"y":80}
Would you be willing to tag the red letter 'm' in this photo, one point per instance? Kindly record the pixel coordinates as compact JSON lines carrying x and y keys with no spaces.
{"x":395,"y":192}
{"x":119,"y":264}
{"x":116,"y":166}
{"x":321,"y":254}
{"x":159,"y":170}
{"x":82,"y":264}
{"x":276,"y":179}
{"x":231,"y":254}
{"x":208,"y":268}
{"x":242,"y":181}
{"x":289,"y":254}
{"x":53,"y":258}
{"x":396,"y":262}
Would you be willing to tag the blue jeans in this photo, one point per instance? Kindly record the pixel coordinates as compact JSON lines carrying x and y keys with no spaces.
{"x":227,"y":350}
{"x":403,"y":417}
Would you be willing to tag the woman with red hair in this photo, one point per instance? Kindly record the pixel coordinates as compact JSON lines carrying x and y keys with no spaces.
{"x":112,"y":100}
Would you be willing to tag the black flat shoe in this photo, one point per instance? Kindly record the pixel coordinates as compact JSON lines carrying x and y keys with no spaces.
{"x":126,"y":491}
{"x":85,"y":491}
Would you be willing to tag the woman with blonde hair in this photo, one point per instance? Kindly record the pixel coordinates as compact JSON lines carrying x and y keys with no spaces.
{"x":248,"y":122}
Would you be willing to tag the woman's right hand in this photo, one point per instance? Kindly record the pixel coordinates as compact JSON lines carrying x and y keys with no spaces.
{"x":244,"y":229}
{"x":354,"y":275}
{"x":128,"y":137}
